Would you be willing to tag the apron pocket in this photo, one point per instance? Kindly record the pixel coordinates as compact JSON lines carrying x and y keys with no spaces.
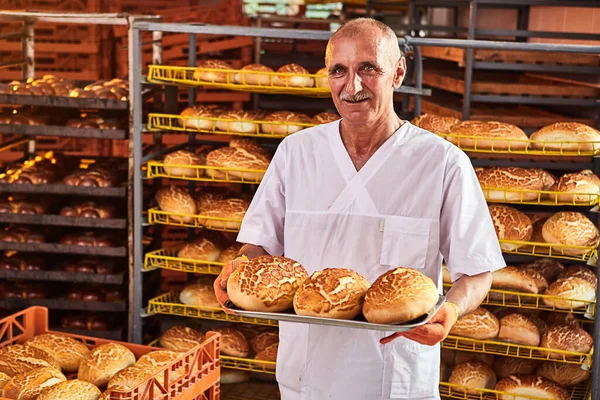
{"x":405,"y":241}
{"x":412,"y":371}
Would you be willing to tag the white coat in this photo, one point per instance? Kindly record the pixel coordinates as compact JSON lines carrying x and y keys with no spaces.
{"x":416,"y":200}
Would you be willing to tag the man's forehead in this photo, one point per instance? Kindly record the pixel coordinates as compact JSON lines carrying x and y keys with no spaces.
{"x":357,"y":49}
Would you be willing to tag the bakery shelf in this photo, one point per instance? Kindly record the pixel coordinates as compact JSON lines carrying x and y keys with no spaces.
{"x":63,"y":276}
{"x":167,"y":259}
{"x":116,"y":334}
{"x":248,"y":364}
{"x":514,"y":350}
{"x":542,"y":197}
{"x":60,"y":220}
{"x":64,"y":304}
{"x":204,"y":173}
{"x":157,"y":216}
{"x":505,"y":298}
{"x":58,"y":248}
{"x":453,"y":391}
{"x":169,"y":303}
{"x":564,"y":148}
{"x":250,"y":391}
{"x":172,"y":122}
{"x":184,"y":76}
{"x":63,"y":131}
{"x":589,"y":253}
{"x":64,"y":102}
{"x":61,"y":189}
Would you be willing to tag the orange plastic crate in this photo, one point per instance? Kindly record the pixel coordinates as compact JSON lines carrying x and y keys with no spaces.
{"x":202,"y":365}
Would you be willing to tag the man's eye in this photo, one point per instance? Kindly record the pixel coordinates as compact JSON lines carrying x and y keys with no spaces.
{"x":369,"y":68}
{"x":338,"y":70}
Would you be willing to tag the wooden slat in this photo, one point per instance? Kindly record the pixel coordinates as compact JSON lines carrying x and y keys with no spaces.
{"x":579,"y":80}
{"x":41,"y":47}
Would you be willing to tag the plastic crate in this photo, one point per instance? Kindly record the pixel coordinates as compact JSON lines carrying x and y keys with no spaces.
{"x":202,"y":365}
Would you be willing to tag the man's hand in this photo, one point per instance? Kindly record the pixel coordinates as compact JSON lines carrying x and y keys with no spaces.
{"x":433,"y":332}
{"x":220,"y":284}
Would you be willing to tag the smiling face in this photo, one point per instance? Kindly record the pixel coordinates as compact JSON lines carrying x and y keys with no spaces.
{"x":363,"y":73}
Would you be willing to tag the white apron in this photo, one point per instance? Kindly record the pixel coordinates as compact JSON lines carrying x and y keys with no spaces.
{"x":314,"y":207}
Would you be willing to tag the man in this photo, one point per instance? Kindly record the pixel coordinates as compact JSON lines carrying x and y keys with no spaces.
{"x":370,"y":192}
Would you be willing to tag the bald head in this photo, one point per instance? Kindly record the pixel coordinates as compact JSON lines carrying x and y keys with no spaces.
{"x":359,"y":29}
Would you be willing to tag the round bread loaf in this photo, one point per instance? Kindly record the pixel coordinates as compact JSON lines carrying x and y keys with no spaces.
{"x":473,"y":375}
{"x":541,"y":283}
{"x":200,"y":294}
{"x":566,"y":338}
{"x":17,"y":358}
{"x":512,"y":225}
{"x":208,"y":198}
{"x":72,"y":389}
{"x":103,"y":362}
{"x":399,"y":295}
{"x":67,"y":351}
{"x":510,"y":183}
{"x":229,"y":253}
{"x":293,"y":75}
{"x":532,"y":386}
{"x":322,"y":79}
{"x":174,"y":161}
{"x":156,"y":360}
{"x":514,"y":279}
{"x":435,"y":123}
{"x":218,"y":210}
{"x":233,"y":342}
{"x":570,"y":228}
{"x":202,"y":74}
{"x":198,"y":117}
{"x":177,"y":200}
{"x":254,"y":74}
{"x":562,"y":373}
{"x":331,"y":293}
{"x":128,"y":377}
{"x":507,"y":366}
{"x":549,"y":268}
{"x":250,"y":146}
{"x":464,"y":356}
{"x":268,"y":354}
{"x":479,"y":324}
{"x":230,"y":376}
{"x":3,"y":380}
{"x":324,"y":118}
{"x":201,"y":250}
{"x":181,"y":338}
{"x":266,"y":284}
{"x":579,"y":135}
{"x":518,"y":328}
{"x":263,"y":340}
{"x":236,"y":158}
{"x":289,"y":122}
{"x":488,"y":135}
{"x":28,"y":385}
{"x":240,"y":121}
{"x":578,"y":187}
{"x":575,"y":283}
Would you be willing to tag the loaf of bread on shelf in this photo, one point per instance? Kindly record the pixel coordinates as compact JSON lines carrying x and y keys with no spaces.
{"x":236,"y":158}
{"x":566,"y":136}
{"x":322,"y":79}
{"x":3,"y":378}
{"x":239,"y":121}
{"x":568,"y":228}
{"x":28,"y":385}
{"x":566,"y":338}
{"x":202,"y":74}
{"x":21,"y":263}
{"x":549,"y":268}
{"x":36,"y":175}
{"x":90,"y":179}
{"x":519,"y":328}
{"x":103,"y":362}
{"x":472,"y":375}
{"x":233,"y":342}
{"x":254,"y":74}
{"x":250,"y":145}
{"x":88,"y":238}
{"x":514,"y":279}
{"x":85,"y":322}
{"x":89,"y":266}
{"x":268,"y":354}
{"x":198,"y":117}
{"x":576,"y":187}
{"x":67,"y":351}
{"x":575,"y":283}
{"x":511,"y":183}
{"x":564,"y":374}
{"x":331,"y":293}
{"x":435,"y":123}
{"x":202,"y":250}
{"x":511,"y":225}
{"x":488,"y":135}
{"x":174,"y":164}
{"x":324,"y":118}
{"x":71,"y":389}
{"x":88,"y":209}
{"x":19,"y":234}
{"x":30,"y":291}
{"x":293,"y":75}
{"x":263,"y":340}
{"x":22,"y":207}
{"x":174,"y":199}
{"x":399,"y":295}
{"x":530,"y":386}
{"x":266,"y":283}
{"x":284,"y":122}
{"x":200,"y":294}
{"x":229,"y":253}
{"x":16,"y":359}
{"x":147,"y":365}
{"x":224,"y":214}
{"x":507,"y":366}
{"x":181,"y":338}
{"x":209,"y":197}
{"x":480,"y":324}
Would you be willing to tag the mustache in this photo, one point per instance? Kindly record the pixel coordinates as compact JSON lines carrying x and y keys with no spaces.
{"x":360,"y":96}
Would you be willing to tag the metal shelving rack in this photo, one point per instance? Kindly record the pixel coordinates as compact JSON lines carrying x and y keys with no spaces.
{"x":163,"y":258}
{"x":121,"y":194}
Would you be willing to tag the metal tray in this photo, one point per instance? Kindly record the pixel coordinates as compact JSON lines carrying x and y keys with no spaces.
{"x":359,"y":322}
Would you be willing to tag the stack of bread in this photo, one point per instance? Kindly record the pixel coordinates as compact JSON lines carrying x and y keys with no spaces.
{"x":50,"y":85}
{"x":244,"y":159}
{"x":208,"y":247}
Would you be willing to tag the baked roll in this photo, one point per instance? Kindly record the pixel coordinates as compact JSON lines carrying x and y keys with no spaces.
{"x":29,"y":385}
{"x":566,"y":338}
{"x":575,"y":283}
{"x":181,"y":338}
{"x":90,"y":179}
{"x":479,"y":324}
{"x":567,"y":136}
{"x":233,"y":342}
{"x":507,"y":366}
{"x":322,"y":79}
{"x":529,"y":386}
{"x":435,"y":123}
{"x":202,"y":74}
{"x":511,"y":184}
{"x":88,"y":209}
{"x":512,"y":225}
{"x":562,"y":373}
{"x":488,"y":136}
{"x":240,"y":121}
{"x":88,"y":238}
{"x":201,"y":249}
{"x":473,"y":375}
{"x":519,"y":328}
{"x":570,"y":229}
{"x":324,"y":118}
{"x":67,"y":351}
{"x":254,"y":74}
{"x":577,"y":187}
{"x":293,"y":75}
{"x":289,"y":123}
{"x":224,"y":214}
{"x":198,"y":117}
{"x":236,"y":158}
{"x":177,"y":200}
{"x":175,"y":164}
{"x":200,"y":294}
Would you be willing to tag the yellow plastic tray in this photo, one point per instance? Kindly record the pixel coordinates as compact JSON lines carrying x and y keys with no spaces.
{"x":590,"y":253}
{"x":157,"y":216}
{"x":248,"y":364}
{"x":172,"y":122}
{"x":169,"y":303}
{"x":542,"y":197}
{"x":185,"y":76}
{"x":167,"y":259}
{"x":203,"y":173}
{"x":452,"y":391}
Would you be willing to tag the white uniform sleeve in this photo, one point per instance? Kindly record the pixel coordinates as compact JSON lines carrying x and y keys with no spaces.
{"x":263,"y":222}
{"x":468,"y":241}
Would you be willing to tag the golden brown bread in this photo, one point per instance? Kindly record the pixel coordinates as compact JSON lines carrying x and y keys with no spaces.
{"x":569,"y":228}
{"x":512,"y":225}
{"x":202,"y":74}
{"x":67,"y":351}
{"x":233,"y":342}
{"x":435,"y":123}
{"x":90,"y":179}
{"x":174,"y":164}
{"x":563,"y":132}
{"x":331,"y":293}
{"x":201,"y":250}
{"x":576,"y":187}
{"x":566,"y":338}
{"x":288,"y":122}
{"x":72,"y":389}
{"x":88,"y":209}
{"x":488,"y":135}
{"x":519,"y":328}
{"x":264,"y":340}
{"x":236,"y":158}
{"x":506,"y":366}
{"x":3,"y":380}
{"x":231,"y":209}
{"x":575,"y":283}
{"x":514,"y":279}
{"x":399,"y":295}
{"x":103,"y":362}
{"x":324,"y":118}
{"x":473,"y":375}
{"x":266,"y":283}
{"x":147,"y":365}
{"x":198,"y":117}
{"x":479,"y":324}
{"x":531,"y":386}
{"x":293,"y":75}
{"x":549,"y":268}
{"x":230,"y":252}
{"x":562,"y":373}
{"x":268,"y":354}
{"x":17,"y":358}
{"x":22,"y":207}
{"x":511,"y":183}
{"x":250,"y":146}
{"x":251,"y":75}
{"x":88,"y":238}
{"x":322,"y":79}
{"x":181,"y":338}
{"x":200,"y":294}
{"x":177,"y":200}
{"x":29,"y":385}
{"x":240,"y":121}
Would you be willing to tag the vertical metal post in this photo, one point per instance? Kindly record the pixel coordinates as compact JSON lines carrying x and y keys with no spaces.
{"x":191,"y":135}
{"x":135,"y":173}
{"x":27,"y":47}
{"x":418,"y":78}
{"x":523,"y":21}
{"x":469,"y":62}
{"x":257,"y":57}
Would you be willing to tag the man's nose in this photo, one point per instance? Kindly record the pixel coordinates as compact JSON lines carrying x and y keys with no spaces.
{"x":354,"y":84}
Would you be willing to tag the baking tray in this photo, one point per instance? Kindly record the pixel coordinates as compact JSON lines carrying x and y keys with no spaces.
{"x":359,"y":323}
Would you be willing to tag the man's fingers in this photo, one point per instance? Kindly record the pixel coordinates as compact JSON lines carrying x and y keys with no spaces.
{"x":388,"y":339}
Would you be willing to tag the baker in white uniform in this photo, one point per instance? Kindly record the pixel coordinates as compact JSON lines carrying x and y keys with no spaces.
{"x":370,"y":192}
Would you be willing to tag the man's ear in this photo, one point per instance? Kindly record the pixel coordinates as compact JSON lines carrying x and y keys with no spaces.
{"x":400,"y":73}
